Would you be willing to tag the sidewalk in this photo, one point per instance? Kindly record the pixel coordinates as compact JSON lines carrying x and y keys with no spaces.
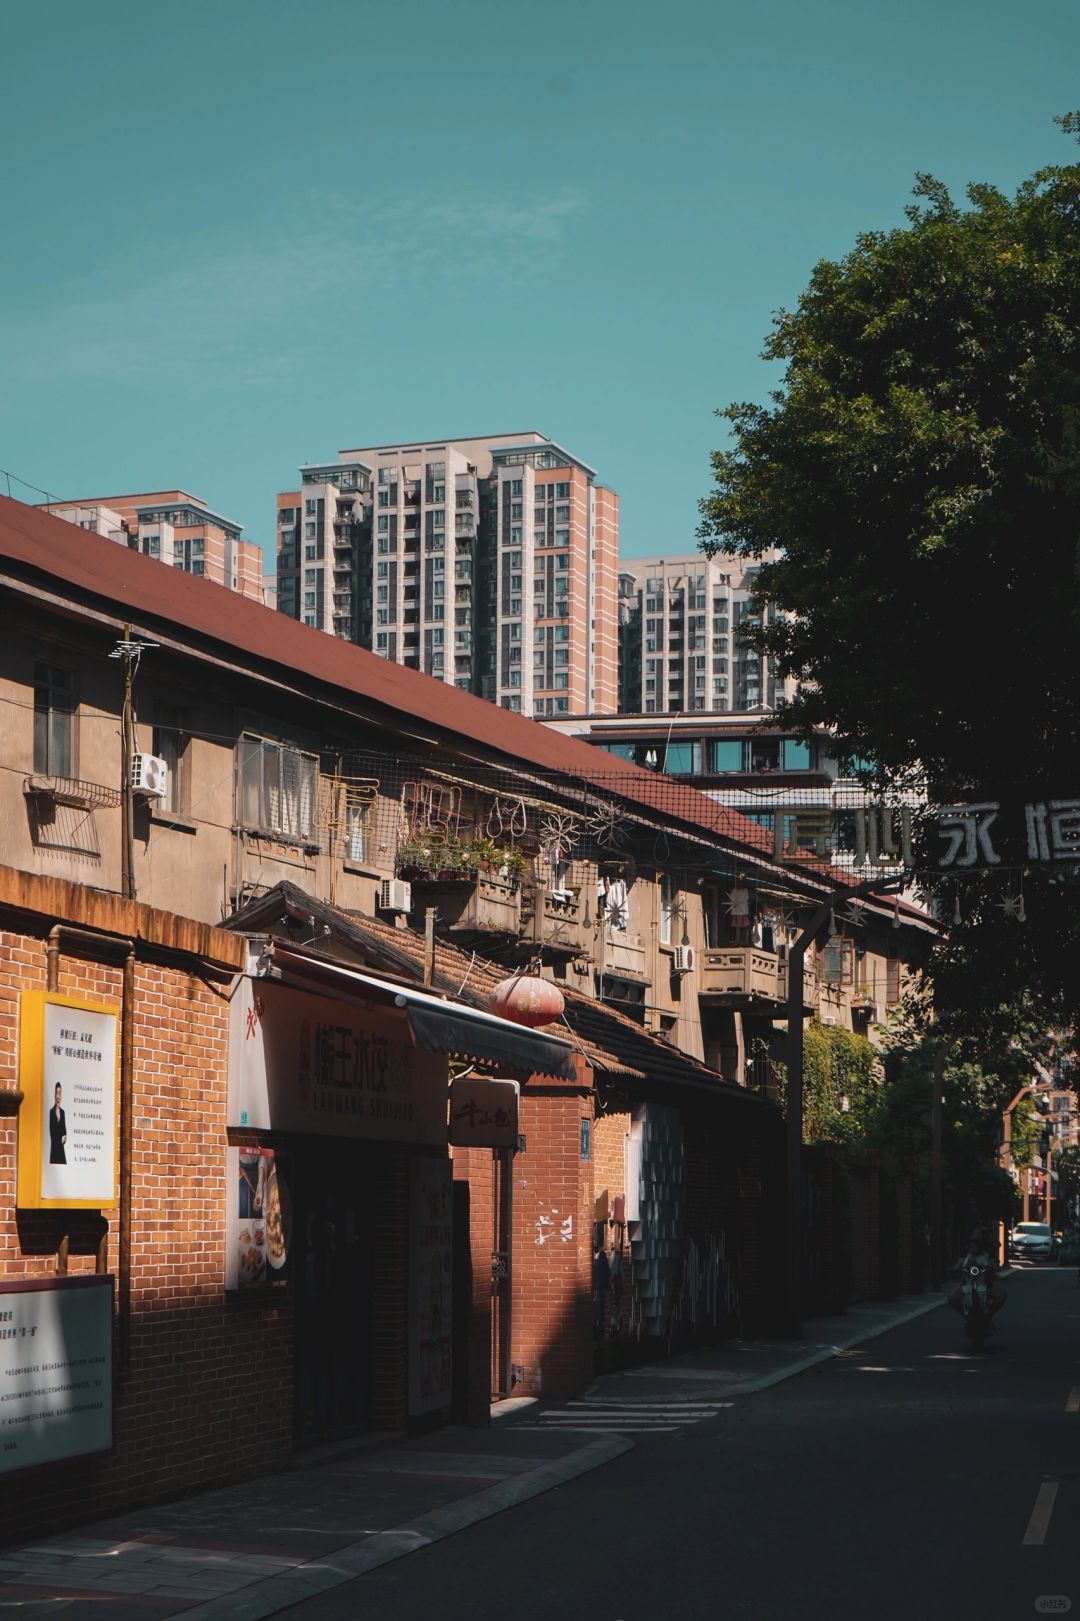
{"x":256,"y":1549}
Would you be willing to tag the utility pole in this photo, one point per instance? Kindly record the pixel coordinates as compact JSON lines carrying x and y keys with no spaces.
{"x":131,"y":652}
{"x":936,"y":1249}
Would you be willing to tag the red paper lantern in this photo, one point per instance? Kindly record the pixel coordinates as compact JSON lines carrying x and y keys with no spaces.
{"x":525,"y":999}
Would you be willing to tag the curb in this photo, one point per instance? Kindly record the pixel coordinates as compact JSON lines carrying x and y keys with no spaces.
{"x":279,"y":1593}
{"x":827,"y":1352}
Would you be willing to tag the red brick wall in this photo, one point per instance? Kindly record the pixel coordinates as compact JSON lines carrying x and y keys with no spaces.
{"x":552,"y":1245}
{"x":209,"y":1394}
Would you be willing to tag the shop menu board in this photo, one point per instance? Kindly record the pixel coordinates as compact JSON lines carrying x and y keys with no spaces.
{"x":431,"y":1238}
{"x":68,"y":1058}
{"x":55,"y":1370}
{"x":258,"y":1224}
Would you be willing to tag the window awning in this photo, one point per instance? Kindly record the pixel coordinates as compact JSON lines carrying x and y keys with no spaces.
{"x":439,"y":1024}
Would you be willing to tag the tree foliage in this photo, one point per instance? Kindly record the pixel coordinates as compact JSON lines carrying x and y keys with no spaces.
{"x":919,"y":469}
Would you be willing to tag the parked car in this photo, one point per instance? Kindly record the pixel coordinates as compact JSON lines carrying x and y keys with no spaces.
{"x":1031,"y":1241}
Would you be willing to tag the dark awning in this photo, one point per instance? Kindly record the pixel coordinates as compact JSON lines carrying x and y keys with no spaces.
{"x":441,"y":1025}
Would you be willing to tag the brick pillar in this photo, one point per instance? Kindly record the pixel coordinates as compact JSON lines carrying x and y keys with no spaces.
{"x":552,"y":1257}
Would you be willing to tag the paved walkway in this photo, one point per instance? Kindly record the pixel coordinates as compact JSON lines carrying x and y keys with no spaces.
{"x":256,"y":1549}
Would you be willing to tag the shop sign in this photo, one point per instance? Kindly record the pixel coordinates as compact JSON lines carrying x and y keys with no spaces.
{"x":431,"y":1240}
{"x":258,"y":1219}
{"x":55,"y":1370}
{"x":69,"y":1075}
{"x":484,"y":1113}
{"x":303,"y":1062}
{"x":975,"y":835}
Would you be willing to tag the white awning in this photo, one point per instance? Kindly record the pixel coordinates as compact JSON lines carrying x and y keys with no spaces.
{"x":438,"y":1023}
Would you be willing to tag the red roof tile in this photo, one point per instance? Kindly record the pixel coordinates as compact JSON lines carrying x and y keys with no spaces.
{"x":85,"y":564}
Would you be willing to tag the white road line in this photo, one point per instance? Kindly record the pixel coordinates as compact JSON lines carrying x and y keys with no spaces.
{"x":1039,"y":1523}
{"x":615,"y":1429}
{"x":1073,"y":1403}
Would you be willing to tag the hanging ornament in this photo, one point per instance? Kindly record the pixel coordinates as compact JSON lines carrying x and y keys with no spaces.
{"x":956,"y":916}
{"x":527,"y":999}
{"x":896,"y":913}
{"x":1013,"y":906}
{"x":833,"y":930}
{"x":856,"y":911}
{"x":1021,"y":915}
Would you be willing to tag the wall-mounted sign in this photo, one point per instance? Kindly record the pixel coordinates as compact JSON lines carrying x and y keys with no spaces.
{"x":484,"y":1114}
{"x":302,"y":1062}
{"x":69,"y":1074}
{"x":55,"y":1370}
{"x":431,"y":1238}
{"x":977,"y":835}
{"x":258,"y":1219}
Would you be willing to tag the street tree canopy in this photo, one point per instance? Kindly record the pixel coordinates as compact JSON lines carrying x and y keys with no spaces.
{"x":919,"y":466}
{"x":919,"y":469}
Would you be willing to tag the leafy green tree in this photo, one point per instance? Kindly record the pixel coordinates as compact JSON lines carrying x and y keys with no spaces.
{"x":1067,"y":1166}
{"x":919,"y":469}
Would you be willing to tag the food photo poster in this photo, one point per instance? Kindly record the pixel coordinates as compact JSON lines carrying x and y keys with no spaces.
{"x":258,"y":1219}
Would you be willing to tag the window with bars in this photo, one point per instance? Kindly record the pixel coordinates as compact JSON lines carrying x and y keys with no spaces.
{"x":276,"y":787}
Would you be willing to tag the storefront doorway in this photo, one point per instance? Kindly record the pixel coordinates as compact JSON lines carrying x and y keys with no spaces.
{"x":333,"y":1231}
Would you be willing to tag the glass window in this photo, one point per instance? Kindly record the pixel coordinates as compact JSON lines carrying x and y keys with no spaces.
{"x":276,"y":786}
{"x":683,"y":759}
{"x":796,"y":754}
{"x":727,"y":754}
{"x":53,"y":720}
{"x":170,"y":745}
{"x":668,"y":906}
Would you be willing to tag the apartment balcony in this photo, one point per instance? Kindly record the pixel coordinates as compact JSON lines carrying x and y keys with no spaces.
{"x":554,"y":919}
{"x":479,"y":911}
{"x":744,"y":976}
{"x":624,"y":955}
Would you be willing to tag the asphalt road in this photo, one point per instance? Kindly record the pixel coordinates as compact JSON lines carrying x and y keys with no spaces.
{"x":906,"y":1479}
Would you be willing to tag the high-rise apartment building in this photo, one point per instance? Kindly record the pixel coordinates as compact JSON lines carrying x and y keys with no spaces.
{"x":681,"y":647}
{"x":489,"y":563}
{"x":180,"y":530}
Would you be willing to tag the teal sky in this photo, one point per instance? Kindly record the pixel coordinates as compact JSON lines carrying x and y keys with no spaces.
{"x":247,"y":234}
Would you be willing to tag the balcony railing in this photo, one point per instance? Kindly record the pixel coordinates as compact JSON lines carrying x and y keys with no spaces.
{"x":624,"y":952}
{"x":741,"y":973}
{"x":554,"y":918}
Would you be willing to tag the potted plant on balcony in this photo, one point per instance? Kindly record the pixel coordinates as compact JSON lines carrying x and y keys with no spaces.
{"x":425,"y":860}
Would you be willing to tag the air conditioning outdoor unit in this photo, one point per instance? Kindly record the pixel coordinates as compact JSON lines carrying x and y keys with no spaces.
{"x":149,"y":776}
{"x":395,"y":895}
{"x":682,"y":960}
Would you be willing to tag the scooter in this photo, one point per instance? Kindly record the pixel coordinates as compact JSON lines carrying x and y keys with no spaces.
{"x":975,"y":1304}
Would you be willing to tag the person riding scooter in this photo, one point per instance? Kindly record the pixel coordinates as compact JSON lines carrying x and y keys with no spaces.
{"x":979,"y":1255}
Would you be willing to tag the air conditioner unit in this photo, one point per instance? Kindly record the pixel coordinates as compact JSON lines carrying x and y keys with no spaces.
{"x":395,"y":895}
{"x":682,"y":960}
{"x":149,"y":776}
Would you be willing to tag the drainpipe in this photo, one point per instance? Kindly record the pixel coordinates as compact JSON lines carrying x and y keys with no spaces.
{"x":114,"y":946}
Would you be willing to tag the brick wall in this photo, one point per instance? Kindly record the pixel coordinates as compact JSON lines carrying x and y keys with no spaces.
{"x":185,"y":1414}
{"x":552,"y":1245}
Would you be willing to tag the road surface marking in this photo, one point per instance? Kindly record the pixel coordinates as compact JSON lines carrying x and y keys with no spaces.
{"x":1073,"y":1403}
{"x":1039,"y":1523}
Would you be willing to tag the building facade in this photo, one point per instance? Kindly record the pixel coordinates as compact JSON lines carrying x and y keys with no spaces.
{"x":177,"y":529}
{"x":488,"y":563}
{"x":681,"y":642}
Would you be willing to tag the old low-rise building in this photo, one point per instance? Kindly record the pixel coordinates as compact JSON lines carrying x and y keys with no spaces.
{"x":173,"y":760}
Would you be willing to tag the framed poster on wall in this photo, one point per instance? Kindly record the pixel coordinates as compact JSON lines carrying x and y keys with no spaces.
{"x":69,"y":1072}
{"x":258,"y":1219}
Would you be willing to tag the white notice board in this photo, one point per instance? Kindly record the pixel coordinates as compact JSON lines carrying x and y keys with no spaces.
{"x":56,"y":1374}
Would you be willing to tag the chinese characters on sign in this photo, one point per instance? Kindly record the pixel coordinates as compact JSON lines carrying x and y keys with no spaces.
{"x":303,"y":1062}
{"x":971,"y":833}
{"x":55,"y":1370}
{"x":68,"y":1072}
{"x":484,"y":1114}
{"x":431,"y":1284}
